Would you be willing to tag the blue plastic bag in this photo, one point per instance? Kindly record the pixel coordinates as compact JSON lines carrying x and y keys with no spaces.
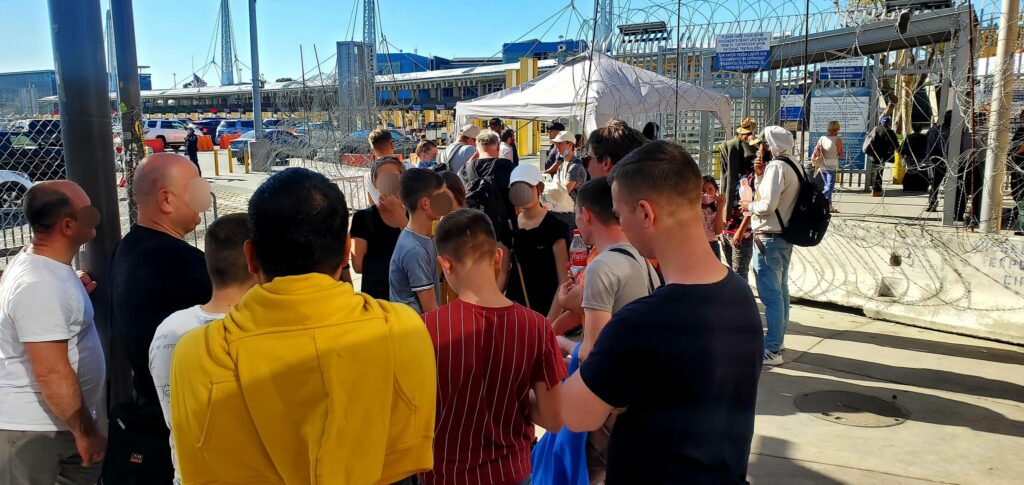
{"x":561,"y":458}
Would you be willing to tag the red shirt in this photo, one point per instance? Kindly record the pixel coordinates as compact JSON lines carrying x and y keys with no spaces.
{"x":487,"y":361}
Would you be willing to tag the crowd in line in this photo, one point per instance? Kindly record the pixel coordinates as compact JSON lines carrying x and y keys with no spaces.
{"x":258,"y":362}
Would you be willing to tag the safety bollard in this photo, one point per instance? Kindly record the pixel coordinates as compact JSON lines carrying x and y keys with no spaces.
{"x":231,"y":161}
{"x":245,"y":158}
{"x":216,"y":163}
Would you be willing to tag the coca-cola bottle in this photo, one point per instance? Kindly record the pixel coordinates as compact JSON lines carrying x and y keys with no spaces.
{"x":578,"y":253}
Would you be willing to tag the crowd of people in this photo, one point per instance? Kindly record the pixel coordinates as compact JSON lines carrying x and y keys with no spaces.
{"x":256,"y":361}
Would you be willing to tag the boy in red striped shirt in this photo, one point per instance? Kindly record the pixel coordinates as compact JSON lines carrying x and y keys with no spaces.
{"x":498,"y":366}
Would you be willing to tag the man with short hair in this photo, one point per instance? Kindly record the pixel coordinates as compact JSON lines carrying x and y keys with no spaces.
{"x":495,"y":125}
{"x":489,"y":165}
{"x":607,"y":145}
{"x":701,"y":333}
{"x":231,"y":279}
{"x":304,"y":381}
{"x":569,"y":174}
{"x":154,"y":273}
{"x":486,"y":419}
{"x":777,"y":191}
{"x":553,"y":130}
{"x":457,"y":154}
{"x":619,"y":274}
{"x":381,"y":143}
{"x":412,"y":274}
{"x":52,"y":397}
{"x":508,"y":139}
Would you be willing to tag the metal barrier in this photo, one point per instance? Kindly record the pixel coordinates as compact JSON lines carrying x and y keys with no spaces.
{"x":354,"y":189}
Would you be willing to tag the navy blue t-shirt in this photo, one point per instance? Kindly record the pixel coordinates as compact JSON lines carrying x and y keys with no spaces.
{"x":684,"y":362}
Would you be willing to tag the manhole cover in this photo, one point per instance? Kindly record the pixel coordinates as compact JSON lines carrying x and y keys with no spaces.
{"x":851,"y":408}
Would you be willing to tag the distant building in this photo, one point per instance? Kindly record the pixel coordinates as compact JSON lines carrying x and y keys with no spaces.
{"x":19,"y":91}
{"x":541,"y":50}
{"x":462,"y":62}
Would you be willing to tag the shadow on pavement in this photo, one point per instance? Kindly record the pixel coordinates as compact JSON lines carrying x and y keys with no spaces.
{"x":771,"y":464}
{"x":927,"y":378}
{"x":990,"y":354}
{"x":923,"y":407}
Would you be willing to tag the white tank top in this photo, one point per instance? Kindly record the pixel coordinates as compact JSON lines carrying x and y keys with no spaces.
{"x":830,"y":151}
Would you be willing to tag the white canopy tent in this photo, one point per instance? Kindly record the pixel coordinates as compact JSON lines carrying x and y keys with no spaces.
{"x":616,"y":90}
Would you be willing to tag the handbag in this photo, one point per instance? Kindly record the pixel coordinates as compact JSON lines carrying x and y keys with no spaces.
{"x":561,"y":458}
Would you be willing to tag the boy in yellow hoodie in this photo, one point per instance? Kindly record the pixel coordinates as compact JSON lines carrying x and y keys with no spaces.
{"x":304,"y":381}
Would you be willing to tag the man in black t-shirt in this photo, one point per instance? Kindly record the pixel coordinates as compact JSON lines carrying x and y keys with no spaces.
{"x":682,"y":364}
{"x":154,"y":273}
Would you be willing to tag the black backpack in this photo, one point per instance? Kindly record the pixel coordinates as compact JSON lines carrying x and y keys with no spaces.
{"x":811,"y":215}
{"x":483,"y":193}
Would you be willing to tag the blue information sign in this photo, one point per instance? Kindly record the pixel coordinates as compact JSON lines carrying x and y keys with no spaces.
{"x":839,"y":73}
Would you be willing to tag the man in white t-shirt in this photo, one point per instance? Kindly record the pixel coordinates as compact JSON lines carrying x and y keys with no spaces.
{"x":52,"y":369}
{"x":231,"y":279}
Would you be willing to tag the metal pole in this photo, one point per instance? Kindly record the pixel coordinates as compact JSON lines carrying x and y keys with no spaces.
{"x":129,"y":92}
{"x":999,"y":121}
{"x":963,"y":60}
{"x":77,"y":34}
{"x":257,"y":110}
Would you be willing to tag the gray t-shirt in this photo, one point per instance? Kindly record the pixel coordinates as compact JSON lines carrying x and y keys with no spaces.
{"x":614,"y":280}
{"x":456,"y":155}
{"x":413,"y":268}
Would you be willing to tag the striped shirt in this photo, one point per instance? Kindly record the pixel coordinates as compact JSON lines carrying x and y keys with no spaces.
{"x":488,"y":359}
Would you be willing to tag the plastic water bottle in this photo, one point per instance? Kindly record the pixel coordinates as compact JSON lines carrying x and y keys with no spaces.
{"x":578,"y":253}
{"x":746,"y":193}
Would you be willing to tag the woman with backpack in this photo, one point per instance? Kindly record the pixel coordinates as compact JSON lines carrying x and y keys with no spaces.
{"x":539,"y":246}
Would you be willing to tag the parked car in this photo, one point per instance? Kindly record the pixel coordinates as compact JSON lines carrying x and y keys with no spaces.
{"x":271,"y":123}
{"x":207,"y":127}
{"x":13,"y":186}
{"x":43,"y":132}
{"x":233,"y":127}
{"x":30,"y":154}
{"x":284,"y":145}
{"x":171,"y":132}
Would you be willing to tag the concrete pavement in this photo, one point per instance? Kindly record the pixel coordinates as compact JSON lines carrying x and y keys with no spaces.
{"x":964,"y":396}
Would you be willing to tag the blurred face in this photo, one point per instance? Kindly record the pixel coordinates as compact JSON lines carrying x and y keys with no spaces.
{"x":760,"y":162}
{"x":523,"y":196}
{"x":387,"y":178}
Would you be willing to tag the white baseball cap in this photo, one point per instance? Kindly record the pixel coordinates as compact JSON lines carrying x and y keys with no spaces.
{"x":564,"y":136}
{"x":526,"y":173}
{"x":469,"y":131}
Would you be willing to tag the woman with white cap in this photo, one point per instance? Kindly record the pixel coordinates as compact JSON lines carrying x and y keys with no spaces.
{"x":539,"y":248}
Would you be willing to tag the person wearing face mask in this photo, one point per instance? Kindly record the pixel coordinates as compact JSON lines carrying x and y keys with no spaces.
{"x":375,"y":229}
{"x":712,"y":206}
{"x":539,"y":245}
{"x":569,"y":173}
{"x":426,"y":152}
{"x":154,"y":273}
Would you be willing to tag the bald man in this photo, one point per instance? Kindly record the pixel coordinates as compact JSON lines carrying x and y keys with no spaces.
{"x":154,"y":273}
{"x":52,"y":397}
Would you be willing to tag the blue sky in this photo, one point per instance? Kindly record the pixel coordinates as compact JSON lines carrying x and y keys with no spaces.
{"x":171,"y":33}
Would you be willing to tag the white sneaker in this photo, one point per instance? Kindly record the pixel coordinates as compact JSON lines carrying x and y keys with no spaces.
{"x":772,"y":358}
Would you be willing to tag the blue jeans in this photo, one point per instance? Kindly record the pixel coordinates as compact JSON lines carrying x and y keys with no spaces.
{"x":771,"y":271}
{"x":829,"y":176}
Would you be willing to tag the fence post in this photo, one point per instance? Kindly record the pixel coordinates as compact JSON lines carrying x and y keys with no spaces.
{"x":231,"y":161}
{"x":216,"y":162}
